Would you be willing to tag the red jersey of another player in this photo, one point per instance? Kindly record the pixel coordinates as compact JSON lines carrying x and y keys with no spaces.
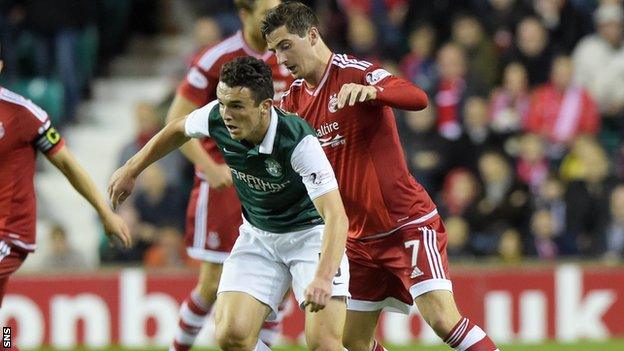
{"x":363,"y":146}
{"x":200,"y":84}
{"x":24,"y":128}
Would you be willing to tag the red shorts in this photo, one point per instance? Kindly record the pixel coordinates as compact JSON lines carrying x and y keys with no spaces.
{"x":212,"y":221}
{"x":11,"y":258}
{"x":390,"y":272}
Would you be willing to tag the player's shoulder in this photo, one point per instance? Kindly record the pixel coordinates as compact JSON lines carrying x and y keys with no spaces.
{"x":21,"y":106}
{"x":293,"y":125}
{"x":349,"y":63}
{"x":294,"y":89}
{"x":220,"y":52}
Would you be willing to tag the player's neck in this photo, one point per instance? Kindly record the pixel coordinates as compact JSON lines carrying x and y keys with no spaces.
{"x":258,"y":135}
{"x":253,"y":42}
{"x":322,"y":59}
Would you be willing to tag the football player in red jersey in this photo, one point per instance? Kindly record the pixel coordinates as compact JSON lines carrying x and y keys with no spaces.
{"x":397,"y":241}
{"x":214,"y":211}
{"x":24,"y":129}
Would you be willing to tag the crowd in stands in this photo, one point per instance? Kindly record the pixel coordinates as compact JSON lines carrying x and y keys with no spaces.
{"x":522,"y":146}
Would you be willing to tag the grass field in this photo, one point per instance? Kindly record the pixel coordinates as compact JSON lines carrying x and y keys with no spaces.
{"x":616,"y":345}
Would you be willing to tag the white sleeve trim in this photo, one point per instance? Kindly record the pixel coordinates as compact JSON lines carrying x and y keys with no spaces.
{"x":196,"y":125}
{"x":309,"y":160}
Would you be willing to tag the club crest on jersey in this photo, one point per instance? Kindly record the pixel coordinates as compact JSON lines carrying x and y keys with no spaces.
{"x":1,"y":130}
{"x":332,"y":106}
{"x":273,"y":167}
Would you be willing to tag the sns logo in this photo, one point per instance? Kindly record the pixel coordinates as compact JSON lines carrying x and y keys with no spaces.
{"x":332,"y":106}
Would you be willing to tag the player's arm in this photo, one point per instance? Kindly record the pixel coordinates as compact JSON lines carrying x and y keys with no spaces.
{"x":217,"y":175}
{"x":168,"y":139}
{"x":330,"y":207}
{"x":309,"y":160}
{"x":384,"y":88}
{"x":82,"y":182}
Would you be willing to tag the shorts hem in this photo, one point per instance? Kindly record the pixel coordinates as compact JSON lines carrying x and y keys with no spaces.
{"x":430,"y":285}
{"x":272,"y":317}
{"x":207,"y":255}
{"x":389,"y":304}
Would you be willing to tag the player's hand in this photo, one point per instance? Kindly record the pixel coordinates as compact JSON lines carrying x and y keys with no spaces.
{"x":351,"y":93}
{"x":120,"y":186}
{"x":317,"y":294}
{"x":219,"y":176}
{"x":115,"y":226}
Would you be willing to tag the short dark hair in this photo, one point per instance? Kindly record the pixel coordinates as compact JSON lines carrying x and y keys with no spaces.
{"x":249,"y":72}
{"x":248,"y":5}
{"x":297,"y":17}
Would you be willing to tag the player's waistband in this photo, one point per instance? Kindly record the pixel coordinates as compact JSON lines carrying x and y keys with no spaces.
{"x":419,"y":220}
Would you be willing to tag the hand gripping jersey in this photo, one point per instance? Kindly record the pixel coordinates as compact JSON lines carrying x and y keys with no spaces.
{"x":362,"y":144}
{"x":277,"y":179}
{"x":24,"y":128}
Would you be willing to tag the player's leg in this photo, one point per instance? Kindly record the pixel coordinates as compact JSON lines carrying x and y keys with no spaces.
{"x":11,"y":259}
{"x":371,"y":292}
{"x":238,"y":318}
{"x":323,"y":329}
{"x":432,"y":290}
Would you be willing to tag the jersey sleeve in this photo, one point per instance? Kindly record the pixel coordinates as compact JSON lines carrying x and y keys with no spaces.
{"x":199,"y":84}
{"x":196,"y":124}
{"x":309,"y":160}
{"x":38,"y":130}
{"x":394,"y":91}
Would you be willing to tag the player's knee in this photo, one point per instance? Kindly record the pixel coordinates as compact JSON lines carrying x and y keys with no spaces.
{"x":441,"y":320}
{"x":233,"y":337}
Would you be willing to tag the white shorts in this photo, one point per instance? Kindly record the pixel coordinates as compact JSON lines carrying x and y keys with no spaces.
{"x":264,"y":265}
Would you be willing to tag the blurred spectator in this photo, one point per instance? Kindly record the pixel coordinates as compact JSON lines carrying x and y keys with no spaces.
{"x":11,"y":16}
{"x":168,"y":250}
{"x":427,"y":152}
{"x":458,"y":237}
{"x":460,"y":191}
{"x":142,"y":238}
{"x":477,"y":137}
{"x":595,"y":52}
{"x":561,"y":110}
{"x":565,"y":24}
{"x":56,"y":27}
{"x":587,"y":198}
{"x":453,"y":86}
{"x":609,"y":88}
{"x":510,"y":103}
{"x":532,"y":165}
{"x":510,"y":246}
{"x":543,"y":234}
{"x":362,"y":37}
{"x":481,"y":54}
{"x":503,"y":204}
{"x":500,"y":17}
{"x":206,"y":33}
{"x":614,"y":234}
{"x":418,"y":65}
{"x":157,"y":203}
{"x":60,"y":254}
{"x":532,"y":50}
{"x":147,"y":124}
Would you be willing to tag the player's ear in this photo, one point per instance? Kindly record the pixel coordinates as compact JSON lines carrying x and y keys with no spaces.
{"x":266,"y":105}
{"x":314,"y":35}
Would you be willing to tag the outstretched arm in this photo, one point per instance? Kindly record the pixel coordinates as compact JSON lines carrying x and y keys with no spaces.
{"x":81,"y":181}
{"x":168,"y":139}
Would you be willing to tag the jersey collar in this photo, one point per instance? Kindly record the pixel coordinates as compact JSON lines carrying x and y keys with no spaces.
{"x":266,"y":147}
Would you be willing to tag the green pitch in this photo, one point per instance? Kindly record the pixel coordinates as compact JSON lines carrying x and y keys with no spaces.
{"x":615,"y":345}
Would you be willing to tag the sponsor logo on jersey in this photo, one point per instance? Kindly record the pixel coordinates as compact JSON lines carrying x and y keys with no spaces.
{"x":196,"y":78}
{"x":320,"y":177}
{"x":377,"y":76}
{"x":1,"y":130}
{"x":273,"y":167}
{"x":416,"y":273}
{"x":257,"y":183}
{"x":332,"y":106}
{"x":336,"y":141}
{"x":327,"y":128}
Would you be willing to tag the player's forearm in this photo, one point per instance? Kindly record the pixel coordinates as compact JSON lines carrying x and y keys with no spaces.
{"x":333,"y":246}
{"x":80,"y":180}
{"x":401,"y":94}
{"x":171,"y":137}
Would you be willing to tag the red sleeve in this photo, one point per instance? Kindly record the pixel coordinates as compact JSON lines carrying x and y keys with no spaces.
{"x":394,"y":91}
{"x":37,"y":129}
{"x":199,"y":85}
{"x":533,"y":121}
{"x":590,"y":120}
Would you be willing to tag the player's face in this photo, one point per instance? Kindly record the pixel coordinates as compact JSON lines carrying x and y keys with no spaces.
{"x":242,"y":117}
{"x":292,"y":51}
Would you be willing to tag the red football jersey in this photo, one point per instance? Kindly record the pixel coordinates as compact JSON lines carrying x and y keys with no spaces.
{"x":24,"y":128}
{"x":363,"y":146}
{"x":201,"y":81}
